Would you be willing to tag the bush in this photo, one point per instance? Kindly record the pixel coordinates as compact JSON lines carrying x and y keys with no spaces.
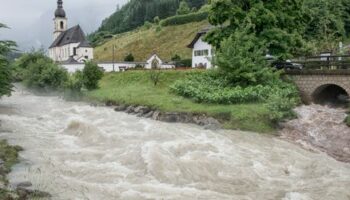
{"x":347,"y":120}
{"x":212,"y":87}
{"x":44,"y":74}
{"x":20,"y":66}
{"x":73,"y":86}
{"x":242,"y":61}
{"x":281,"y":103}
{"x":156,"y":20}
{"x":129,"y":58}
{"x":91,"y":75}
{"x":5,"y":78}
{"x":183,"y":8}
{"x":147,"y":25}
{"x":184,"y":19}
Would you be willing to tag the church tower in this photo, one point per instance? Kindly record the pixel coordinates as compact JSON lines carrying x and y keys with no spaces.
{"x":60,"y":20}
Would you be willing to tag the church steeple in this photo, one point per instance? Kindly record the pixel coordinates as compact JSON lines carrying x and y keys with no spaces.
{"x":59,"y":11}
{"x":60,"y":20}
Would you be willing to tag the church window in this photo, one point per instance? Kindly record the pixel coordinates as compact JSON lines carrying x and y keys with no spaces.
{"x":74,"y":51}
{"x":61,"y":24}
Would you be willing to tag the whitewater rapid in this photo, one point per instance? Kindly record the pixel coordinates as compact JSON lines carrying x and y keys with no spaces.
{"x":77,"y":151}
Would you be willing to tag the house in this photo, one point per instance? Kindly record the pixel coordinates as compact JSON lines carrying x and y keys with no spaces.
{"x":154,"y":62}
{"x":69,"y":45}
{"x":202,"y":52}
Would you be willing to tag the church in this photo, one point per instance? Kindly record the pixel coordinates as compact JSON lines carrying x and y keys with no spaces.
{"x":70,"y":45}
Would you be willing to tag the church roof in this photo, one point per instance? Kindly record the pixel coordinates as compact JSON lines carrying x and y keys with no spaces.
{"x":84,"y":44}
{"x":72,"y":35}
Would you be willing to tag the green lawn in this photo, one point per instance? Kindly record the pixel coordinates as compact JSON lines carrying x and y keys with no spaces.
{"x":136,"y":88}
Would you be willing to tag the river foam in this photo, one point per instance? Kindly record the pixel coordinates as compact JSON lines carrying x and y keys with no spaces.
{"x":76,"y":151}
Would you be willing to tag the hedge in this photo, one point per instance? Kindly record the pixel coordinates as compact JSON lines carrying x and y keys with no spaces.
{"x":184,"y":19}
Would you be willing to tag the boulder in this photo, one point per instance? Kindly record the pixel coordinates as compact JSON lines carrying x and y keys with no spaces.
{"x":155,"y":115}
{"x":120,"y":108}
{"x":149,"y":114}
{"x":25,"y":184}
{"x":207,"y":122}
{"x":130,"y":109}
{"x":142,"y":110}
{"x":169,"y":117}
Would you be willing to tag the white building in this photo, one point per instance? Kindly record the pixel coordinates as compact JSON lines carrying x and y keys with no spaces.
{"x":202,"y":52}
{"x":70,"y":45}
{"x":154,"y":62}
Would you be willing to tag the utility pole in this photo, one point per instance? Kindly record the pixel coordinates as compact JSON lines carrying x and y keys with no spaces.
{"x":113,"y":56}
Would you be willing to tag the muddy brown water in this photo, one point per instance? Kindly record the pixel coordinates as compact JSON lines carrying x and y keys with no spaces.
{"x":76,"y":151}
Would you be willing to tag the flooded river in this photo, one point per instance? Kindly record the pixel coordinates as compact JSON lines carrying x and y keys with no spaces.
{"x":76,"y":151}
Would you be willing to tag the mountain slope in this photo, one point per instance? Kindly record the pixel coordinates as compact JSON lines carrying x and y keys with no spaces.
{"x":167,"y":42}
{"x":136,"y":12}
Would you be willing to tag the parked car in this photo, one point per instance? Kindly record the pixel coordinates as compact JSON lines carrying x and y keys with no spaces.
{"x":287,"y":65}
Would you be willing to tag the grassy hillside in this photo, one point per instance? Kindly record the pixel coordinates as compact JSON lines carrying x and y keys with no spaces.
{"x":168,"y":41}
{"x":136,"y":88}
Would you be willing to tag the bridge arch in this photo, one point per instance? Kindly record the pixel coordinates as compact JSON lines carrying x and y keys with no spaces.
{"x":316,"y":85}
{"x":330,"y":94}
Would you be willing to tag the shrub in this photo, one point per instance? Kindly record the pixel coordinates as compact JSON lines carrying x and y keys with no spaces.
{"x":158,"y":29}
{"x":74,"y":85}
{"x":347,"y":120}
{"x":212,"y":87}
{"x":184,"y":19}
{"x":5,"y":77}
{"x":155,"y":76}
{"x":129,"y":58}
{"x":91,"y":75}
{"x":183,"y":8}
{"x":24,"y":61}
{"x":242,"y":61}
{"x":147,"y":25}
{"x":45,"y":75}
{"x":156,"y":20}
{"x":281,"y":103}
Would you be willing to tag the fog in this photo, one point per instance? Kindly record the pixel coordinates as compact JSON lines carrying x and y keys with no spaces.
{"x":31,"y":21}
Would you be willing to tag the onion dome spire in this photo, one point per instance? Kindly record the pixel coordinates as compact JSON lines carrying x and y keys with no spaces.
{"x":59,"y":11}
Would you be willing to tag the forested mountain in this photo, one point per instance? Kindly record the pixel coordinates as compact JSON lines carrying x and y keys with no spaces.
{"x":136,"y":12}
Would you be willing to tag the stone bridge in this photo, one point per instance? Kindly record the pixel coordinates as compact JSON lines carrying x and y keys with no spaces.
{"x":322,"y":86}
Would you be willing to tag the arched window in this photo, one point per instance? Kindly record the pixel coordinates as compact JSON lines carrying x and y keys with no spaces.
{"x":61,"y":24}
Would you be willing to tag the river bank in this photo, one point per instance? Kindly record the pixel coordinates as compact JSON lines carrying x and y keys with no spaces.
{"x":320,"y":128}
{"x":9,"y":157}
{"x":134,"y":88}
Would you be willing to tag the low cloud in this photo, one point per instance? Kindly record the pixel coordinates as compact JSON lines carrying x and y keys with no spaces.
{"x":31,"y":21}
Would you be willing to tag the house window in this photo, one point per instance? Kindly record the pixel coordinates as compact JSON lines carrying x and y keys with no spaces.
{"x":201,"y":52}
{"x":86,"y":57}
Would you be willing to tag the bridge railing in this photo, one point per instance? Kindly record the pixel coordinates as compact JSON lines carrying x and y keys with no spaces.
{"x":325,"y":62}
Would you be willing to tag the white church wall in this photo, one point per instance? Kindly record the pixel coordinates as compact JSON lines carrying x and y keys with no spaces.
{"x":85,"y":53}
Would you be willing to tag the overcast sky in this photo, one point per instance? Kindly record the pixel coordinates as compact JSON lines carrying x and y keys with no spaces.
{"x":31,"y":21}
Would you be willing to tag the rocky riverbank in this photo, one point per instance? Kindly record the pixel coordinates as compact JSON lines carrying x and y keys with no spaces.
{"x":320,"y":128}
{"x":21,"y":191}
{"x":171,"y":117}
